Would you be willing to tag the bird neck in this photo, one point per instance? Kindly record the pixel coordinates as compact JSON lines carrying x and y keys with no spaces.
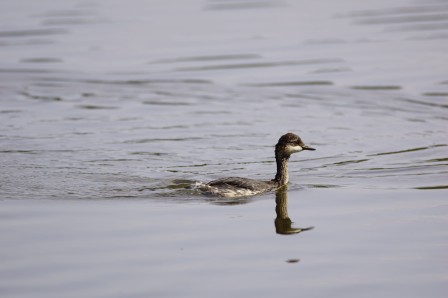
{"x":282,"y":170}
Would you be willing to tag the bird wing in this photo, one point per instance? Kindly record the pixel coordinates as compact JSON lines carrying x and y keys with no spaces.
{"x":238,"y":182}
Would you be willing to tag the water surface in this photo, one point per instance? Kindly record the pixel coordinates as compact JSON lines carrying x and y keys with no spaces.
{"x":109,"y":110}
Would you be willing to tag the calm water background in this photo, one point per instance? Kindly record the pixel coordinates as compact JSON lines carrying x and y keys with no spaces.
{"x":108,"y":109}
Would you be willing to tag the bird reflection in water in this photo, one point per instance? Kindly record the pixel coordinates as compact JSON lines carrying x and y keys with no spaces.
{"x":283,"y":224}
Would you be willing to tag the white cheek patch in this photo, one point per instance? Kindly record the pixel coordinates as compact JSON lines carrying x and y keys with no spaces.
{"x":293,"y":149}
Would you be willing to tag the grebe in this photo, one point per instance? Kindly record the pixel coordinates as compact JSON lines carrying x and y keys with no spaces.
{"x":237,"y":187}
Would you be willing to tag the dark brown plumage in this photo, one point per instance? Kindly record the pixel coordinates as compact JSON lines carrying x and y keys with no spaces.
{"x":235,"y":186}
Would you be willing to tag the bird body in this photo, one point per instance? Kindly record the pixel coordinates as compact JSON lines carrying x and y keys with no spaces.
{"x":287,"y":145}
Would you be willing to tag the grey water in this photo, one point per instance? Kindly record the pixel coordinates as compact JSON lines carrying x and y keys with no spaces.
{"x":111,"y":110}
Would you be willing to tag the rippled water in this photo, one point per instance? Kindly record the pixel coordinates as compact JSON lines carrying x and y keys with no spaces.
{"x":110,"y":109}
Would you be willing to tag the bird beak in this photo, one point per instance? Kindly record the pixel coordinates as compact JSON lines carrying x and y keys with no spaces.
{"x":305,"y":147}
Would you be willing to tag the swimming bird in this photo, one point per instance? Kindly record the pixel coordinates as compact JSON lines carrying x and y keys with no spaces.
{"x":231,"y":187}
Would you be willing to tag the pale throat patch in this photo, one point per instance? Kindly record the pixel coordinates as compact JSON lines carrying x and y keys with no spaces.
{"x":293,"y":149}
